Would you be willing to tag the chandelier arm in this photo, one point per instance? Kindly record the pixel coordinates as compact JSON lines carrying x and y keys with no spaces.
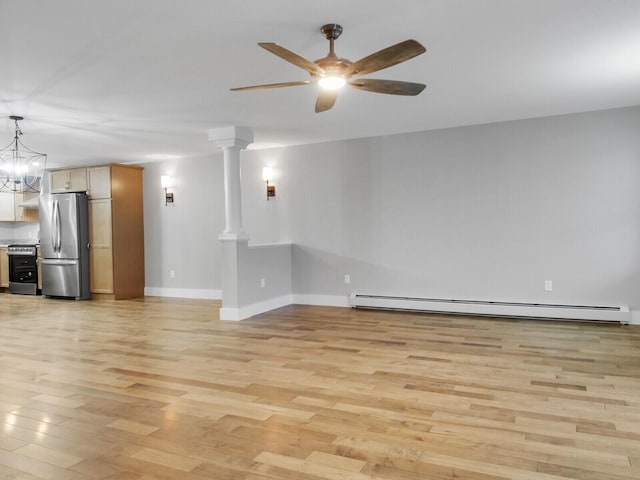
{"x":24,"y":148}
{"x":9,"y":147}
{"x":21,"y":168}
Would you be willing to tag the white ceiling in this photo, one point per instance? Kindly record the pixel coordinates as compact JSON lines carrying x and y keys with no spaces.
{"x":133,"y":81}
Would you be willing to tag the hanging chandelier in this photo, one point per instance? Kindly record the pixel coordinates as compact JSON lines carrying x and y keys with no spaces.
{"x":21,"y":169}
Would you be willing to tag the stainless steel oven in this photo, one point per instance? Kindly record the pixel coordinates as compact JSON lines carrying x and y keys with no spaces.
{"x":23,"y":269}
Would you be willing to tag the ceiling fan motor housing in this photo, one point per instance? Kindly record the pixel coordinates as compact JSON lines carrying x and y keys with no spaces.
{"x":332,"y":64}
{"x":331,"y":31}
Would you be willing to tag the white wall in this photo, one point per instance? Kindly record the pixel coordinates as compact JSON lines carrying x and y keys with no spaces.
{"x":6,"y":230}
{"x":483,"y":212}
{"x":19,"y":230}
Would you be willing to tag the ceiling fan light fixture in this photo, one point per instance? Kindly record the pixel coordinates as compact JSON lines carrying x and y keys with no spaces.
{"x":332,"y":82}
{"x":331,"y":72}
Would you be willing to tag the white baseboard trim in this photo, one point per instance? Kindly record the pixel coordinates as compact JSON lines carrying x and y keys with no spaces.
{"x":635,"y":317}
{"x":235,"y":314}
{"x":183,"y":293}
{"x":321,"y":300}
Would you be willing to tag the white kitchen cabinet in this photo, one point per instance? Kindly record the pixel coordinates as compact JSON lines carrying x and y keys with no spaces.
{"x":7,"y":207}
{"x":11,"y":209}
{"x":68,"y":180}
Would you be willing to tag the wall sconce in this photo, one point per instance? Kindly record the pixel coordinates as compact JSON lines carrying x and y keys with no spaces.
{"x":167,"y":183}
{"x":267,"y":173}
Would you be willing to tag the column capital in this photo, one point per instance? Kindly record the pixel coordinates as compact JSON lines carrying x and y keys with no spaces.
{"x":231,"y":137}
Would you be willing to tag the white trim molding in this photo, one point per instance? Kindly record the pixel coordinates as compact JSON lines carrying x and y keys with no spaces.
{"x":183,"y":293}
{"x":242,"y":313}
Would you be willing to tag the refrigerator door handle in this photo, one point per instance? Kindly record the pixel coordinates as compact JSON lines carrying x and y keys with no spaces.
{"x":58,"y":229}
{"x":56,"y":261}
{"x":53,"y":226}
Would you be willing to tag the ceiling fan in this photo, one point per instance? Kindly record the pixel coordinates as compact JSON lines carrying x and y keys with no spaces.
{"x":332,"y":72}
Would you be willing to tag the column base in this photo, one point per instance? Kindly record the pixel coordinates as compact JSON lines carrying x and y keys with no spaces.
{"x":233,"y":236}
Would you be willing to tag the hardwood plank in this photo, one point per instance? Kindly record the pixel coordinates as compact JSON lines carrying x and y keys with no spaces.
{"x":304,"y":467}
{"x":57,"y":458}
{"x":336,"y":461}
{"x":132,"y":427}
{"x":160,"y":388}
{"x":166,"y":459}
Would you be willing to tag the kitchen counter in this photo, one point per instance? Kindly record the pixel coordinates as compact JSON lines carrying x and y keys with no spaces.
{"x":19,"y":241}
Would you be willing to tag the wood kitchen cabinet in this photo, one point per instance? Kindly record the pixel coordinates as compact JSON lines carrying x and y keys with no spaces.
{"x":68,"y":180}
{"x":116,"y":228}
{"x":99,"y":182}
{"x":100,"y":246}
{"x":116,"y":231}
{"x":4,"y":268}
{"x":100,"y":233}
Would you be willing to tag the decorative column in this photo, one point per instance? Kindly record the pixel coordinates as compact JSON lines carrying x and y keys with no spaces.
{"x":231,"y":140}
{"x":234,"y":239}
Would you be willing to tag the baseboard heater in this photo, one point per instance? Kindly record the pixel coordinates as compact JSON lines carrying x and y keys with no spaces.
{"x":501,"y":309}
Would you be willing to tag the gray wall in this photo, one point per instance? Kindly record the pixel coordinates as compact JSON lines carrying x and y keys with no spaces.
{"x":483,"y":212}
{"x":271,"y":263}
{"x":183,"y":237}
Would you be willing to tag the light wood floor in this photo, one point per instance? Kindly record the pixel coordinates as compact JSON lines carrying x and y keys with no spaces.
{"x":161,"y":389}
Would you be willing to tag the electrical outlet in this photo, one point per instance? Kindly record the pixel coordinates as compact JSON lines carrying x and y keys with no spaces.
{"x":263,"y":283}
{"x":548,"y":285}
{"x":172,"y":273}
{"x":347,"y":279}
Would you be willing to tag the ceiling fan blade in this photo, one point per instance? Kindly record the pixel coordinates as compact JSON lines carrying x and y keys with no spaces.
{"x":294,"y":58}
{"x":385,"y":58}
{"x":392,"y":87}
{"x":272,"y":85}
{"x":326,"y":100}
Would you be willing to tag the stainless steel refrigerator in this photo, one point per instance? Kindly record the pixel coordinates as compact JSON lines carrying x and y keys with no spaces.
{"x":64,"y":243}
